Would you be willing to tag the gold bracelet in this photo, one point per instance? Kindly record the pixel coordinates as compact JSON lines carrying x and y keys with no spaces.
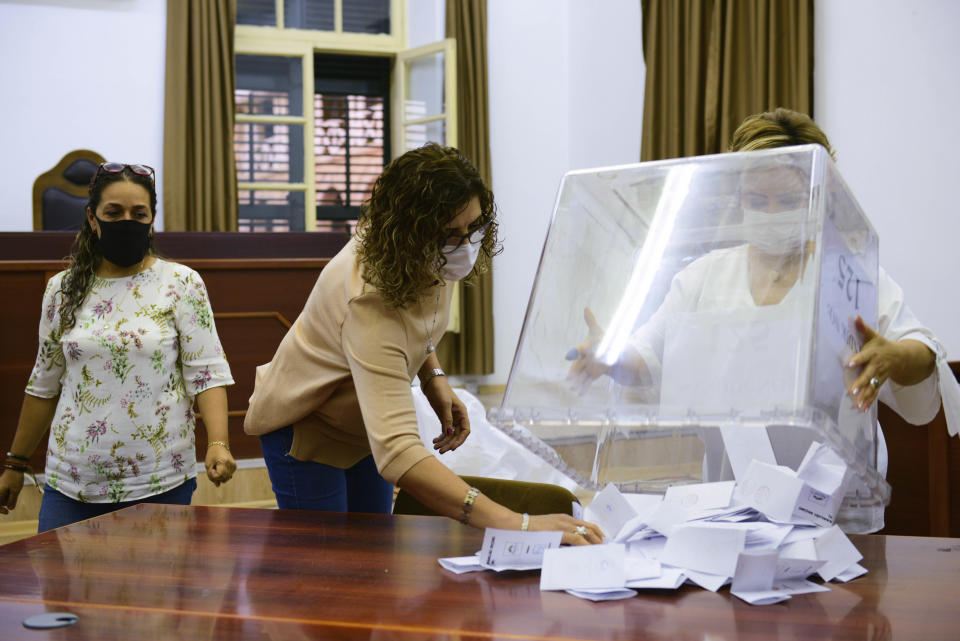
{"x":220,"y":443}
{"x":468,"y":504}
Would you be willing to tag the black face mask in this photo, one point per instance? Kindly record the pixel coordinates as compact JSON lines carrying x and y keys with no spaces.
{"x":123,"y":242}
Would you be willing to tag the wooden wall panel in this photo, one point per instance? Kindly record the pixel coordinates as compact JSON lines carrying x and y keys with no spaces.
{"x":924,"y":474}
{"x":278,"y":287}
{"x":954,"y":487}
{"x":22,"y":289}
{"x":249,"y":339}
{"x":255,"y":298}
{"x":909,"y":511}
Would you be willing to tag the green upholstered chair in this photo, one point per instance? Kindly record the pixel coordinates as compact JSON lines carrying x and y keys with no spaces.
{"x":519,"y":496}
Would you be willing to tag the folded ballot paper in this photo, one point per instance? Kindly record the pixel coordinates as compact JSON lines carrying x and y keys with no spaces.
{"x":506,"y":550}
{"x":764,"y":536}
{"x":811,"y":495}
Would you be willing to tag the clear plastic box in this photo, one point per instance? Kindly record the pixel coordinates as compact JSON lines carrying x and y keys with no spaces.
{"x":725,"y":290}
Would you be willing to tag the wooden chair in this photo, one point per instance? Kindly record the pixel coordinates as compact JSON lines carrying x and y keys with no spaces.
{"x":60,"y":195}
{"x":519,"y":496}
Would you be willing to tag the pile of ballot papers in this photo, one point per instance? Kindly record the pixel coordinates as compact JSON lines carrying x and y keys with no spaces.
{"x":764,"y":535}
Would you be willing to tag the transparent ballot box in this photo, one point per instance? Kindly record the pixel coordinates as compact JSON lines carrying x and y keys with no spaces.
{"x":688,"y":312}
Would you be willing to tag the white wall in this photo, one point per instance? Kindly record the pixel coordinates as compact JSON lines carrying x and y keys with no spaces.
{"x":77,"y":74}
{"x":426,"y":22}
{"x":566,"y":92}
{"x":887,"y":93}
{"x":606,"y":81}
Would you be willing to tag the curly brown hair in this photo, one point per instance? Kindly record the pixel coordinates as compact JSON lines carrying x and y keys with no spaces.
{"x":402,"y":226}
{"x":84,"y":255}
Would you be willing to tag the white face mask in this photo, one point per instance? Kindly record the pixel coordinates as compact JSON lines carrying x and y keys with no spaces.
{"x":775,"y":233}
{"x":460,"y":261}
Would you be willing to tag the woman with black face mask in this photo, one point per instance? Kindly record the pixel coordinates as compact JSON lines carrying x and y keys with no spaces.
{"x":127,"y":342}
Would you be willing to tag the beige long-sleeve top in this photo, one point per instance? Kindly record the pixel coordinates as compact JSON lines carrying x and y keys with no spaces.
{"x":342,"y":374}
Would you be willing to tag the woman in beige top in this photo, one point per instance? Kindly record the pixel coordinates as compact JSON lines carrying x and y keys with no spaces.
{"x":333,"y":409}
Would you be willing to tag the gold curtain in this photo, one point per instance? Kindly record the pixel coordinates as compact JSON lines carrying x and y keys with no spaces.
{"x":711,"y":63}
{"x":199,"y":177}
{"x":470,"y":351}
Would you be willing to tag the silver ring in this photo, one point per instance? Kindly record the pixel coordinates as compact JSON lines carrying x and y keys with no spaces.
{"x":581,"y":530}
{"x":875,"y":383}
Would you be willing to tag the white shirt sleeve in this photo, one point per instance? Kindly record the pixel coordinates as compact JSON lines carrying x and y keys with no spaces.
{"x":918,"y":404}
{"x":46,"y":377}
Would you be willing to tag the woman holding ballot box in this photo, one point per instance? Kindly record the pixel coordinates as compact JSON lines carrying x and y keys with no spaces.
{"x":334,"y":409}
{"x":900,"y":350}
{"x":900,"y":361}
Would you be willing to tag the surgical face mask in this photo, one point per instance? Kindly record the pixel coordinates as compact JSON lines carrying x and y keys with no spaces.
{"x":461,"y":260}
{"x":123,"y":242}
{"x":775,"y":233}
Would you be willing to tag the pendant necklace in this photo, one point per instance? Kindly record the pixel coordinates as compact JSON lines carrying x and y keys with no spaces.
{"x":430,"y":348}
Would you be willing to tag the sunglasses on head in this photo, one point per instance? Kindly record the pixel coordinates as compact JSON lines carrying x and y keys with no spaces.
{"x":118,"y":167}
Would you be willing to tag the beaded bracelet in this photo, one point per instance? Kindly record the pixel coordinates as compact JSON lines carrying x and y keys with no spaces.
{"x":525,"y":524}
{"x":220,"y":443}
{"x":468,"y":504}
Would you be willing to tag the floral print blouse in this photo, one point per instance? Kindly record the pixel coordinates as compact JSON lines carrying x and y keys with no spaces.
{"x":126,"y":374}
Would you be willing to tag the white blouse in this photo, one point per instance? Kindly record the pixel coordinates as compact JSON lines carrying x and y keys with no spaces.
{"x":720,"y":281}
{"x":126,"y":375}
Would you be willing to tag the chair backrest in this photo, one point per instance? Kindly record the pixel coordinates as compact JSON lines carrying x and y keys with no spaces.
{"x":519,"y":496}
{"x":60,"y":194}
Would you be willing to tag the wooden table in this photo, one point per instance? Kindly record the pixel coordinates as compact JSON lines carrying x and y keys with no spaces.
{"x":171,"y":572}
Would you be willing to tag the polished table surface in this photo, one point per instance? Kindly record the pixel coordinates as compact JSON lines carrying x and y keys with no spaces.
{"x":173,"y":572}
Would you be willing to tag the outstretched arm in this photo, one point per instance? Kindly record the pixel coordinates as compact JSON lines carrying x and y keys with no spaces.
{"x":434,"y":485}
{"x":905,"y":362}
{"x":629,"y":369}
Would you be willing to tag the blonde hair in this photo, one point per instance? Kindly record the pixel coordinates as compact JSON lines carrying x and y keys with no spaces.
{"x":778,"y":128}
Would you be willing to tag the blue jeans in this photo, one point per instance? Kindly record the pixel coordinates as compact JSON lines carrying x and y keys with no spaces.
{"x":57,"y":510}
{"x":307,"y":485}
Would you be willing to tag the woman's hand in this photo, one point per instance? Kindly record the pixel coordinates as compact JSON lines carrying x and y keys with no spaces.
{"x":454,"y":422}
{"x":905,"y":362}
{"x":11,"y":482}
{"x":575,"y":531}
{"x":586,"y":367}
{"x":220,"y":464}
{"x":212,"y":403}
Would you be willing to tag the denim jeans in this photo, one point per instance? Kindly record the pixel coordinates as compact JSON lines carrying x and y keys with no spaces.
{"x":57,"y":510}
{"x":307,"y":485}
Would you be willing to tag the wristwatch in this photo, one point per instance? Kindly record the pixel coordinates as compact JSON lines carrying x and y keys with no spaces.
{"x":429,"y":376}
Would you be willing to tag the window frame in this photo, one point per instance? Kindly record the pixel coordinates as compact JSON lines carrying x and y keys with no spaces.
{"x":337,"y":40}
{"x":400,"y":122}
{"x":303,"y":44}
{"x":378,"y":78}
